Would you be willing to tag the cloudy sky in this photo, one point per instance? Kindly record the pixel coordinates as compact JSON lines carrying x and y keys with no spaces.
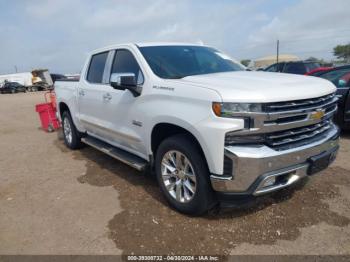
{"x":57,"y":34}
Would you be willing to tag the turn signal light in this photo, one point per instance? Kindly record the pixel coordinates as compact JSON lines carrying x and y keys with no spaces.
{"x":216,"y":108}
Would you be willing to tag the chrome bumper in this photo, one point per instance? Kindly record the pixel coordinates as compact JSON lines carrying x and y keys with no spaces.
{"x":252,"y":166}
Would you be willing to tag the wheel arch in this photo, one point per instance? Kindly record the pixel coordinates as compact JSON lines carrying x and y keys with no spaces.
{"x":163,"y":130}
{"x":62,"y":106}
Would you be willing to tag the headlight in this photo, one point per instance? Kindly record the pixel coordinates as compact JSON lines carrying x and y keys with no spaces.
{"x":226,"y":109}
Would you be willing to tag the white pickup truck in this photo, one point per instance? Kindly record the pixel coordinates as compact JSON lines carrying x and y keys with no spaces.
{"x":210,"y":130}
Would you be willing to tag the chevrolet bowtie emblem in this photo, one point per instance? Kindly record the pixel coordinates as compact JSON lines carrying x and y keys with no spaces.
{"x":318,"y":114}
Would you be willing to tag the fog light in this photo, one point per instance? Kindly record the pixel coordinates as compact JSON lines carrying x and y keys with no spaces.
{"x":269,"y":181}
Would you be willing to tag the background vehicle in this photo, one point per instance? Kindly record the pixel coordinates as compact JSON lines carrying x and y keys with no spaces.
{"x":293,"y":67}
{"x":21,"y":78}
{"x":210,"y":130}
{"x":12,"y":87}
{"x":37,"y":80}
{"x":340,"y":77}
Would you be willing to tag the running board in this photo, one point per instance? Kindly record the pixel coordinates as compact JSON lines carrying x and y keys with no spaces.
{"x":119,"y":154}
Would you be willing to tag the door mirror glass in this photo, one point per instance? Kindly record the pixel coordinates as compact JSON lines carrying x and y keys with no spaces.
{"x":341,"y":83}
{"x":123,"y":81}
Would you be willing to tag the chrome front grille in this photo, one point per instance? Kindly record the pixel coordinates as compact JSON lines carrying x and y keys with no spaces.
{"x":292,"y":138}
{"x":304,"y":104}
{"x":285,"y":125}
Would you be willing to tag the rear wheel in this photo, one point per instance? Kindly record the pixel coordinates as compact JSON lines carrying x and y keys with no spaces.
{"x":183,"y":175}
{"x":72,"y":137}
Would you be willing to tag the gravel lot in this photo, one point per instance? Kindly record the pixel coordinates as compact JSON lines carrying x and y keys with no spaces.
{"x":56,"y":201}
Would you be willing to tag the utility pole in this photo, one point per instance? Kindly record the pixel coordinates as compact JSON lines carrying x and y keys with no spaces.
{"x":278,"y":50}
{"x":16,"y":69}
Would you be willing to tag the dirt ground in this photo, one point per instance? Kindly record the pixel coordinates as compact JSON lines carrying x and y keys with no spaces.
{"x":57,"y":201}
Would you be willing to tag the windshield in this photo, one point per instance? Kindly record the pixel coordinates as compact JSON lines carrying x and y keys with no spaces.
{"x":181,"y":61}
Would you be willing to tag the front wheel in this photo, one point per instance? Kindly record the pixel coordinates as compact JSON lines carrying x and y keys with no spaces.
{"x":71,"y":136}
{"x":183,"y":175}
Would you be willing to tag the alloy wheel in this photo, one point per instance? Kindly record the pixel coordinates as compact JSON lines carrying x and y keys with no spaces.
{"x":178,"y":176}
{"x":67,"y":130}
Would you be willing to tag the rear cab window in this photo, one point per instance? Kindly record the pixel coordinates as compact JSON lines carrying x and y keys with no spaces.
{"x":96,"y":68}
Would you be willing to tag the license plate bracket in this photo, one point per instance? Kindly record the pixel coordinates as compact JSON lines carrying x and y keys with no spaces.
{"x":321,"y":161}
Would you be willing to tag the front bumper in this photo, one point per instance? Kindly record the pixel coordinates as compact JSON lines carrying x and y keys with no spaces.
{"x":253,"y":166}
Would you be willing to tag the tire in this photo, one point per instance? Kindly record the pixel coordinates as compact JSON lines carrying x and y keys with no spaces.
{"x":13,"y":91}
{"x":72,"y":138}
{"x":200,"y":198}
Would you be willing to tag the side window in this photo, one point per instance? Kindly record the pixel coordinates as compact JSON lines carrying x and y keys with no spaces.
{"x":96,"y":68}
{"x":280,"y":67}
{"x":125,"y":62}
{"x":295,"y":68}
{"x":272,"y":68}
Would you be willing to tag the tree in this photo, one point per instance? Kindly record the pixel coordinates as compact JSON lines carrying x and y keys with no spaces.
{"x":245,"y":62}
{"x":342,"y":52}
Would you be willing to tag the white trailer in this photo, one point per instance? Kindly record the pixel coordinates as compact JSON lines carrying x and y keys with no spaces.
{"x":22,"y":78}
{"x":38,"y":79}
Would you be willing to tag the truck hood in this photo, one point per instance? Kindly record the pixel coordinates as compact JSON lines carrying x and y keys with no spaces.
{"x":246,"y":86}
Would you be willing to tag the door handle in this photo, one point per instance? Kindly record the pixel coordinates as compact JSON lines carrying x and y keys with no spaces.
{"x":81,"y":92}
{"x":107,"y":96}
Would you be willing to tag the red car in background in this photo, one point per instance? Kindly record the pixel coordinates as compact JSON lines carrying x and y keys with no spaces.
{"x":318,"y":71}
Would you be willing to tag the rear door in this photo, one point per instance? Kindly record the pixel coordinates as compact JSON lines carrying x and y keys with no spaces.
{"x":90,"y":94}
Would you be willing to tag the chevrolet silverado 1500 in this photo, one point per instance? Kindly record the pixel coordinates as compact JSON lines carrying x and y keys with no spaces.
{"x":210,"y":130}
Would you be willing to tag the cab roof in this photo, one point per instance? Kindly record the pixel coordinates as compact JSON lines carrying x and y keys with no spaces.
{"x":145,"y":44}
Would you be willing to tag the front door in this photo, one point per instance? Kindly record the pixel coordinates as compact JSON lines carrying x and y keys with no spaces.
{"x":120,"y":107}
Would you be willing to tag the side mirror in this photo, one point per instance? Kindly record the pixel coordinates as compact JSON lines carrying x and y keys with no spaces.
{"x":123,"y":81}
{"x":341,"y":83}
